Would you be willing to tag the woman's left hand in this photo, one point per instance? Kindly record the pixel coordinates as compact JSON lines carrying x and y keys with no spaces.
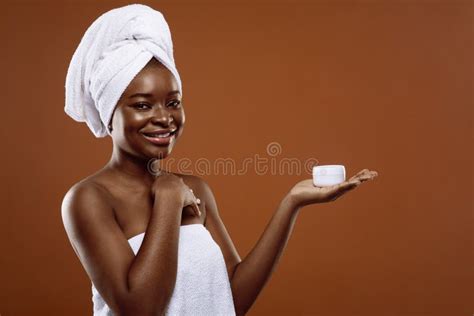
{"x":305,"y":192}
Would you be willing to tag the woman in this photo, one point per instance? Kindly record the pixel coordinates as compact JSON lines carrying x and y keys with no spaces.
{"x":148,"y":244}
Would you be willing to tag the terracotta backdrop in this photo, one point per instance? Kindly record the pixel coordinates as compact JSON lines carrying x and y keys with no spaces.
{"x":368,"y":84}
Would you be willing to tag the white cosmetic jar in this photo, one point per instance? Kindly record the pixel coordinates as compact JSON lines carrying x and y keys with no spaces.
{"x":328,"y":175}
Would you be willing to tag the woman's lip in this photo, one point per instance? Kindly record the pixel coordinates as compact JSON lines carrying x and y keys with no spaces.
{"x":160,"y":141}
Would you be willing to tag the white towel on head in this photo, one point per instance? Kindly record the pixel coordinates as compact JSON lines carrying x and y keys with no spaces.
{"x":113,"y":50}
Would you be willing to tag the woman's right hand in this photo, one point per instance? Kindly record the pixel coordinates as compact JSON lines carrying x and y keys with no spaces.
{"x":175,"y":186}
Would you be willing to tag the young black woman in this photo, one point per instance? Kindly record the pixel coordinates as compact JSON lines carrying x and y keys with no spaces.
{"x":124,"y":201}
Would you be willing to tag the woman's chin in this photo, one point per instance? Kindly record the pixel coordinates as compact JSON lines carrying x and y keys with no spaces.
{"x":154,"y":151}
{"x":161,"y":152}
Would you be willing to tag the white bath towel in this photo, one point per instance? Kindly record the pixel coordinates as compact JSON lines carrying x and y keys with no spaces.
{"x":113,"y":50}
{"x":202,"y":284}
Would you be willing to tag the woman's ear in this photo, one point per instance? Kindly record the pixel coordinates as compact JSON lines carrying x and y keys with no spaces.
{"x":110,"y":122}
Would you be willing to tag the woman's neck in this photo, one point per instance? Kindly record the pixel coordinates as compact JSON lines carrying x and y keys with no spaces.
{"x":130,"y":168}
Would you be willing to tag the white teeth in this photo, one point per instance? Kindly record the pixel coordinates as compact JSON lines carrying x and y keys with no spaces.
{"x":158,"y":135}
{"x":161,"y":135}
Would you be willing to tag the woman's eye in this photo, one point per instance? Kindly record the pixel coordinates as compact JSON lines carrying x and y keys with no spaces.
{"x":175,"y":103}
{"x":143,"y":106}
{"x":140,"y":106}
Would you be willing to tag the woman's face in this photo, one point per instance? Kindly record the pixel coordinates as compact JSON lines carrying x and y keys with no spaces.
{"x":151,"y":104}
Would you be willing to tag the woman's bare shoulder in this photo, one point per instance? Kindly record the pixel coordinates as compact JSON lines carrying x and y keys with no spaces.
{"x":89,"y":187}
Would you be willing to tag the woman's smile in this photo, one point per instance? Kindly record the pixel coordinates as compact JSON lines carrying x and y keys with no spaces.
{"x":161,"y":137}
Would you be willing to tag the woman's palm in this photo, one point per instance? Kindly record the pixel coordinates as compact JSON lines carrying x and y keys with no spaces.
{"x":305,"y":193}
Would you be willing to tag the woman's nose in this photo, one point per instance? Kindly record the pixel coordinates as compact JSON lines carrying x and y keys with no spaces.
{"x":161,"y":115}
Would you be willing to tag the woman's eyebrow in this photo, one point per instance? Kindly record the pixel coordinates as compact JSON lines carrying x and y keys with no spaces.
{"x":147,"y":95}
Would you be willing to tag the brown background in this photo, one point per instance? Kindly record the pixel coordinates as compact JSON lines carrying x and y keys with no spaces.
{"x":379,"y":85}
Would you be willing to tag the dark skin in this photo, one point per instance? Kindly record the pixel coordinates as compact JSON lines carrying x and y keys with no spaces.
{"x":124,"y":199}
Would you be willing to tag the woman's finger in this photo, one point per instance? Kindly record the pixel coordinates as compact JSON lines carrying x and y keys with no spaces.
{"x":365,"y":175}
{"x":361,"y":177}
{"x":346,"y":185}
{"x":358,"y":174}
{"x":369,"y":176}
{"x":196,"y":209}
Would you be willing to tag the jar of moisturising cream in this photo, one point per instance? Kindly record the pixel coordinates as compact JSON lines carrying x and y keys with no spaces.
{"x":324,"y":176}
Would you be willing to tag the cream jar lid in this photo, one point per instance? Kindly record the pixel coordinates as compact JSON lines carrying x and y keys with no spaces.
{"x":329,"y":170}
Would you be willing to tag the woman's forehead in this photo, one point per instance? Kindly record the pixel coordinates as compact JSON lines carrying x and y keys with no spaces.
{"x":152,"y":80}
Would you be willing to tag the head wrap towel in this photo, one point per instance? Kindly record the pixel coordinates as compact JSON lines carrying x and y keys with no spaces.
{"x":113,"y":50}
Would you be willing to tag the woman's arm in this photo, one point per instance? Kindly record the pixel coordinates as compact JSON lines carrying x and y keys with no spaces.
{"x":129,"y":284}
{"x":248,"y":277}
{"x":251,"y":274}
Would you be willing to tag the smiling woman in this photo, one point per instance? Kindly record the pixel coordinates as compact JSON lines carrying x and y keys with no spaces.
{"x":148,"y":243}
{"x":149,"y":113}
{"x":140,"y":238}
